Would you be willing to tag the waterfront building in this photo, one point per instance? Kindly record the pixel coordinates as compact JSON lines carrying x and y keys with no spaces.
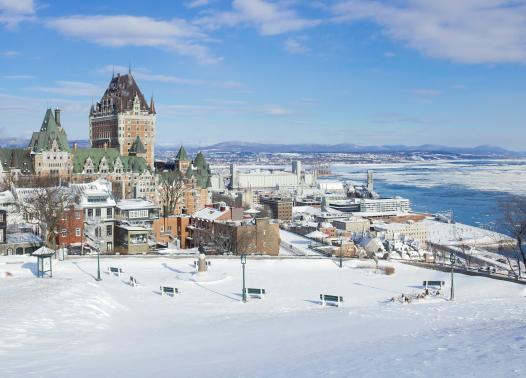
{"x":271,"y":179}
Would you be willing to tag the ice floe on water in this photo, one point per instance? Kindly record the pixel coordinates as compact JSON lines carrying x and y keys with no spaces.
{"x":486,"y":175}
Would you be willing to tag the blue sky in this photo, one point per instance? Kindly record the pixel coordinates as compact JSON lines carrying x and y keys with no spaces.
{"x":281,"y":71}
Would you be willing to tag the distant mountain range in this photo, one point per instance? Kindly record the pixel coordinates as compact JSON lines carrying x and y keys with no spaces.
{"x":248,"y":147}
{"x":233,"y":147}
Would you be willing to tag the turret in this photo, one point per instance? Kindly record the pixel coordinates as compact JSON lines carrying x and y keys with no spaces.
{"x":152,"y":107}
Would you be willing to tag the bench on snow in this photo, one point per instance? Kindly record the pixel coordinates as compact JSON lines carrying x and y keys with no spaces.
{"x":331,"y":299}
{"x":434,"y":284}
{"x":169,"y":290}
{"x":134,"y":282}
{"x":257,"y":293}
{"x":115,"y":271}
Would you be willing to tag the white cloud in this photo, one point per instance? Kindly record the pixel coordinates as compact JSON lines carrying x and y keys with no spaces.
{"x":197,"y":3}
{"x":144,"y":74}
{"x":276,"y":110}
{"x":271,"y":18}
{"x":12,"y":12}
{"x":70,"y":88}
{"x":295,"y":46}
{"x":116,"y":31}
{"x":9,"y":53}
{"x":467,"y":31}
{"x":389,"y":54}
{"x":18,"y":77}
{"x":426,"y":92}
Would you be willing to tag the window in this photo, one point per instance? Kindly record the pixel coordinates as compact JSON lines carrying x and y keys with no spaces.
{"x":109,"y":212}
{"x":138,"y":214}
{"x":109,"y":230}
{"x":64,"y":232}
{"x":77,"y":214}
{"x":90,"y":212}
{"x":77,"y":232}
{"x":97,"y":212}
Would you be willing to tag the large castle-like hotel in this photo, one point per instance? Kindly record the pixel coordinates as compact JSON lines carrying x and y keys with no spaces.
{"x":122,"y":128}
{"x":123,"y":120}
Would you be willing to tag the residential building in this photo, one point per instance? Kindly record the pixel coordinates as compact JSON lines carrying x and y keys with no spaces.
{"x":71,"y":228}
{"x":280,"y":207}
{"x":3,"y":226}
{"x":408,"y":230}
{"x":131,"y":240}
{"x":137,"y":212}
{"x":98,"y":205}
{"x":173,"y":229}
{"x":353,"y":224}
{"x":260,"y":236}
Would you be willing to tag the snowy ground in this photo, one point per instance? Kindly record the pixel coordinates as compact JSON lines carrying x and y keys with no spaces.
{"x":293,"y":245}
{"x":73,"y":326}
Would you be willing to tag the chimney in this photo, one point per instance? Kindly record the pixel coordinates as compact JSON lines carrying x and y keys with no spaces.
{"x":57,"y":116}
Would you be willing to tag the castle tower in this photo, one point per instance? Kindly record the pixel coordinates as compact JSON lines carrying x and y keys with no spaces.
{"x":182,"y":162}
{"x":121,"y":116}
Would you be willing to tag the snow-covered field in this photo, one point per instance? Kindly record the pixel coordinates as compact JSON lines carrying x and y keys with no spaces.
{"x":73,"y":326}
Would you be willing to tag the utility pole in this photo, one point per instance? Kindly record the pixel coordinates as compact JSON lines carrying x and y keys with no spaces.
{"x":341,"y":248}
{"x":243,"y":262}
{"x":452,"y":258}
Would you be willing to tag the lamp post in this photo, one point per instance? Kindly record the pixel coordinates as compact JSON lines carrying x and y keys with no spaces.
{"x":98,"y":255}
{"x":341,"y":248}
{"x":243,"y":262}
{"x":452,"y":258}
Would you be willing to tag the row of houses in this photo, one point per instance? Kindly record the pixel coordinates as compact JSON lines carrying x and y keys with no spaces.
{"x":94,"y":220}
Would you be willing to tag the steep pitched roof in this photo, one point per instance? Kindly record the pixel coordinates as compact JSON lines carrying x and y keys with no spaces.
{"x":137,"y":147}
{"x":200,"y":171}
{"x":120,"y":94}
{"x":199,"y":160}
{"x":49,"y":131}
{"x":182,"y":155}
{"x":129,"y":163}
{"x":16,"y":158}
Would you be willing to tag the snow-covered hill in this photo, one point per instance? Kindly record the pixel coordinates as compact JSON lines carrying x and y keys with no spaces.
{"x":73,"y":326}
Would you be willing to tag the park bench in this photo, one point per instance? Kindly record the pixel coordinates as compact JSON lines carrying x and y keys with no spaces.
{"x":331,"y":299}
{"x":169,"y":290}
{"x":434,"y":284}
{"x":257,"y":293}
{"x":115,"y":271}
{"x":134,"y":282}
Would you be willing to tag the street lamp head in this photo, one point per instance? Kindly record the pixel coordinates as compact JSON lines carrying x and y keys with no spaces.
{"x":452,"y":257}
{"x":243,"y":259}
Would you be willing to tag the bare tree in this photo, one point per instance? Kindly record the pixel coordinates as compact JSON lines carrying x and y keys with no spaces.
{"x":46,"y":207}
{"x":172,"y":187}
{"x":514,"y":222}
{"x":223,"y":242}
{"x":246,"y":240}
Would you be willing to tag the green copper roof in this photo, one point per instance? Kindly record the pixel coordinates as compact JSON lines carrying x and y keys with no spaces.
{"x":137,"y":147}
{"x":182,"y":155}
{"x":49,"y":131}
{"x":199,"y":160}
{"x":111,"y":155}
{"x":16,"y":158}
{"x":199,"y":171}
